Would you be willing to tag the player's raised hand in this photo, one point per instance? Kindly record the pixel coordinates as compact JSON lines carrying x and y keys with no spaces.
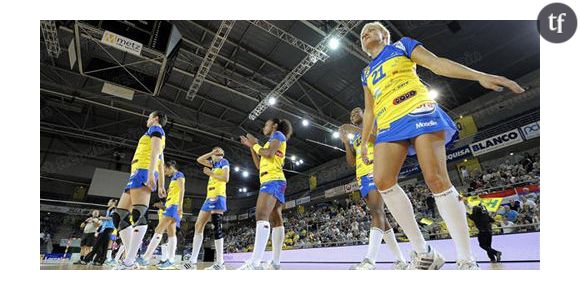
{"x":245,"y":141}
{"x":253,"y":140}
{"x":497,"y":83}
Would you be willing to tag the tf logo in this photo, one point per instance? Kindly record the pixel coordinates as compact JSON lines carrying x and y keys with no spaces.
{"x":557,"y":22}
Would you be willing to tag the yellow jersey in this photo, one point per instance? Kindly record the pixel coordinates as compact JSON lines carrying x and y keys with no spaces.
{"x":271,"y":168}
{"x":216,"y":187}
{"x":142,"y":157}
{"x":362,"y":169}
{"x":392,"y":79}
{"x":173,"y":191}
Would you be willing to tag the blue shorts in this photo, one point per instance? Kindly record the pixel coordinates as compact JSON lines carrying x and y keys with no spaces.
{"x":428,"y":118}
{"x":215,"y":203}
{"x":139,"y":178}
{"x":275,"y":188}
{"x":367,"y":183}
{"x":171,"y":212}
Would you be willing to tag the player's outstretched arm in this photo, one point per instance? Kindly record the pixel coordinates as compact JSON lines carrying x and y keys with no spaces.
{"x":448,"y":68}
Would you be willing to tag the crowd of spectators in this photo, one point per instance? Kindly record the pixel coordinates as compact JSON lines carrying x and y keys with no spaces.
{"x":347,"y":222}
{"x":519,"y":168}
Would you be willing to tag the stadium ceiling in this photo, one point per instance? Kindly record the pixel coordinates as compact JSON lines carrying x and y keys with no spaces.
{"x":252,"y":59}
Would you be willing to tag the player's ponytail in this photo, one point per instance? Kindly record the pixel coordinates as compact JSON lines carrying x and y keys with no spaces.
{"x":162,"y":117}
{"x":284,"y":126}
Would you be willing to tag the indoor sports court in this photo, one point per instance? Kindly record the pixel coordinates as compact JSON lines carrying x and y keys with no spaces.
{"x":237,"y":144}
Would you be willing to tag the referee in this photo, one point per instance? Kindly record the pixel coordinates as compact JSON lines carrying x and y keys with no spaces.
{"x":483,"y":222}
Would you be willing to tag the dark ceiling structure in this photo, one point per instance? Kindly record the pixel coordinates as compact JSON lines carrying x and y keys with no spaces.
{"x":237,"y":71}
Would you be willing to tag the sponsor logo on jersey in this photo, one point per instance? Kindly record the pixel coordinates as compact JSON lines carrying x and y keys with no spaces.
{"x":404,"y":97}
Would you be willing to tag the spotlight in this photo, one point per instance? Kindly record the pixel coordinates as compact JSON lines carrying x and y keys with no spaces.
{"x":333,"y":43}
{"x":293,"y":157}
{"x":335,"y":134}
{"x":236,"y":169}
{"x":239,"y":190}
{"x":271,"y":101}
{"x":433,"y":94}
{"x":464,"y":160}
{"x":301,"y":161}
{"x":350,"y":136}
{"x":244,"y":189}
{"x":511,"y":154}
{"x":245,"y":174}
{"x":305,"y":122}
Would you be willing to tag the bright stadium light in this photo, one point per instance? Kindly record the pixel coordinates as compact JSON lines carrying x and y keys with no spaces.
{"x":433,"y":94}
{"x":301,"y":161}
{"x":244,"y":189}
{"x":240,"y":190}
{"x":236,"y":169}
{"x":333,"y":43}
{"x":335,"y":134}
{"x":293,"y":157}
{"x":305,"y":122}
{"x":245,"y":174}
{"x":271,"y":101}
{"x":350,"y":136}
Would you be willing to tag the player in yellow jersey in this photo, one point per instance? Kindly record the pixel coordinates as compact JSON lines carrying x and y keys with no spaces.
{"x":143,"y":180}
{"x":269,"y":159}
{"x":408,"y":123}
{"x":169,"y":218}
{"x":380,"y":227}
{"x":218,"y":170}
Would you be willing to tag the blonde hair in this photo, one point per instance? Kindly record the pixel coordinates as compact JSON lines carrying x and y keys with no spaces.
{"x":381,"y":27}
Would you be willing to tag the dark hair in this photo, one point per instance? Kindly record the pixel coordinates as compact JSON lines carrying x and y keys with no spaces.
{"x":171,"y":163}
{"x":284,"y":126}
{"x":162,"y":117}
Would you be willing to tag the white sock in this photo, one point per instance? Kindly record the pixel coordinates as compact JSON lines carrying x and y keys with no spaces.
{"x":197,"y":240}
{"x":375,"y":239}
{"x":136,"y":238}
{"x":120,"y":252}
{"x":219,"y":251}
{"x":391,"y":241}
{"x":152,"y":246}
{"x":453,"y":212}
{"x":277,"y":243}
{"x":260,"y":241}
{"x":400,"y":207}
{"x":125,"y":236}
{"x":109,"y":254}
{"x":164,"y":252}
{"x":171,"y":248}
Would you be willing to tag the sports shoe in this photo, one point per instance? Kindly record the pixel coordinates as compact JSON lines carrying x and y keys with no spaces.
{"x":498,"y":256}
{"x":431,"y":260}
{"x":142,"y":262}
{"x":467,"y":265}
{"x":270,"y":266}
{"x":216,"y":266}
{"x":248,"y":265}
{"x":122,"y":266}
{"x":188,"y":266}
{"x":400,"y":265}
{"x":366,"y":264}
{"x":167,"y":266}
